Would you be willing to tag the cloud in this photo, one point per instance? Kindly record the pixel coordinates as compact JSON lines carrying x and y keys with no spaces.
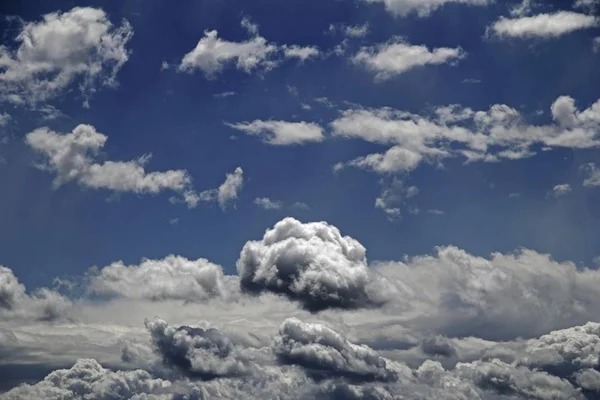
{"x":397,"y":56}
{"x":71,"y":157}
{"x":5,"y":119}
{"x":268,"y":204}
{"x":596,"y":44}
{"x":212,"y":54}
{"x":321,"y":350}
{"x":544,"y":26}
{"x":229,"y":190}
{"x":593,"y":179}
{"x":561,"y":190}
{"x":508,"y":295}
{"x":172,"y":278}
{"x":522,"y":9}
{"x":282,"y":133}
{"x":422,"y":8}
{"x":500,"y":132}
{"x":197,"y":352}
{"x":351,"y":31}
{"x":310,"y":263}
{"x":587,"y":5}
{"x":78,"y":46}
{"x":394,"y":196}
{"x":224,"y":95}
{"x":41,"y":305}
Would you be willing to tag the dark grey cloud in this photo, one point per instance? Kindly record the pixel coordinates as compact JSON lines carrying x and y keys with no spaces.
{"x":311,"y":263}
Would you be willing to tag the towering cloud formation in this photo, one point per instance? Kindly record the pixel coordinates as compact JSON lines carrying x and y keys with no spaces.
{"x":310,"y":263}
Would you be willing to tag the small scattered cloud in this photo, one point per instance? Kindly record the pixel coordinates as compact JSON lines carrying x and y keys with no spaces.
{"x":436,"y":212}
{"x":561,"y":190}
{"x":422,"y":8}
{"x":268,"y":204}
{"x":471,"y":81}
{"x":224,"y":95}
{"x":542,"y":26}
{"x":282,"y":133}
{"x":350,"y":31}
{"x":593,"y":178}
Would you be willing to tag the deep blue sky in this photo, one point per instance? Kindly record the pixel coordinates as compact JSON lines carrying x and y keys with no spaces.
{"x":46,"y":233}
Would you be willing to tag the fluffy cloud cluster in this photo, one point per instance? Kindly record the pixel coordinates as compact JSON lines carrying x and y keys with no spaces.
{"x":310,"y":263}
{"x":282,"y":133}
{"x":172,"y":278}
{"x":396,"y":57}
{"x":16,"y":304}
{"x":421,"y":7}
{"x":498,"y":133}
{"x":78,"y":46}
{"x":212,"y":53}
{"x":71,"y":157}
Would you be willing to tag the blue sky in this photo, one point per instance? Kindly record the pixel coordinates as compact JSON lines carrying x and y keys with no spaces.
{"x":176,"y":117}
{"x":456,"y":143}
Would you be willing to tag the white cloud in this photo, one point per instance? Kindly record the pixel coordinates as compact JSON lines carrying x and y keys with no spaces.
{"x":593,"y":179}
{"x":5,"y":119}
{"x":596,"y":44}
{"x":223,"y":95}
{"x":587,"y":5}
{"x":230,"y":189}
{"x":436,"y":212}
{"x":282,"y":133}
{"x":172,"y":278}
{"x":543,"y":25}
{"x":212,"y":53}
{"x":498,"y":133}
{"x":80,"y":45}
{"x":300,"y":52}
{"x":522,"y":9}
{"x":421,"y":7}
{"x":268,"y":204}
{"x":393,"y":196}
{"x":352,"y":31}
{"x":71,"y":157}
{"x":561,"y":190}
{"x":396,"y":57}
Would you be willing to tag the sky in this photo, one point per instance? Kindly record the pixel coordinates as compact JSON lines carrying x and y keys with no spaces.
{"x":271,"y":170}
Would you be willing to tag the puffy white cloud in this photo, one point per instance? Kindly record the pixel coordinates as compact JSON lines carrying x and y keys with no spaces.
{"x":593,"y":179}
{"x":421,"y":7}
{"x":282,"y":133}
{"x":321,"y":350}
{"x":522,"y":9}
{"x":561,"y":190}
{"x":267,"y":203}
{"x":41,"y":305}
{"x":396,"y":57}
{"x":172,"y":278}
{"x":542,"y":25}
{"x":5,"y":119}
{"x":212,"y":53}
{"x":78,"y":46}
{"x":310,"y":263}
{"x":229,"y":190}
{"x":71,"y":157}
{"x":351,"y":31}
{"x":394,"y":196}
{"x":500,"y":132}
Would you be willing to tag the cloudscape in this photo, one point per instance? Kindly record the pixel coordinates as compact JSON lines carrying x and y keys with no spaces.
{"x":304,"y":199}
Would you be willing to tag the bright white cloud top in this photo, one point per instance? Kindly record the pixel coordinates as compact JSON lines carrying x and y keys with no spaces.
{"x":282,"y":133}
{"x":543,"y":26}
{"x":422,"y":8}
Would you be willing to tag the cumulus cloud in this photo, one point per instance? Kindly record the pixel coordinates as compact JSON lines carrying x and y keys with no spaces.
{"x":282,"y":133}
{"x":41,"y":305}
{"x":71,"y":157}
{"x":351,"y":31}
{"x":5,"y":119}
{"x":322,"y":350}
{"x":396,"y":57}
{"x":543,"y":26}
{"x":197,"y":352}
{"x":561,"y":190}
{"x":212,"y":54}
{"x":422,"y":8}
{"x":172,"y":278}
{"x":393,"y":197}
{"x":268,"y":204}
{"x":310,"y":263}
{"x":78,"y":46}
{"x":500,"y":132}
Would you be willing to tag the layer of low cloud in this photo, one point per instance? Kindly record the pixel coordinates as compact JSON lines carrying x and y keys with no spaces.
{"x":282,"y":133}
{"x":212,"y":53}
{"x":397,"y":56}
{"x":80,"y":46}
